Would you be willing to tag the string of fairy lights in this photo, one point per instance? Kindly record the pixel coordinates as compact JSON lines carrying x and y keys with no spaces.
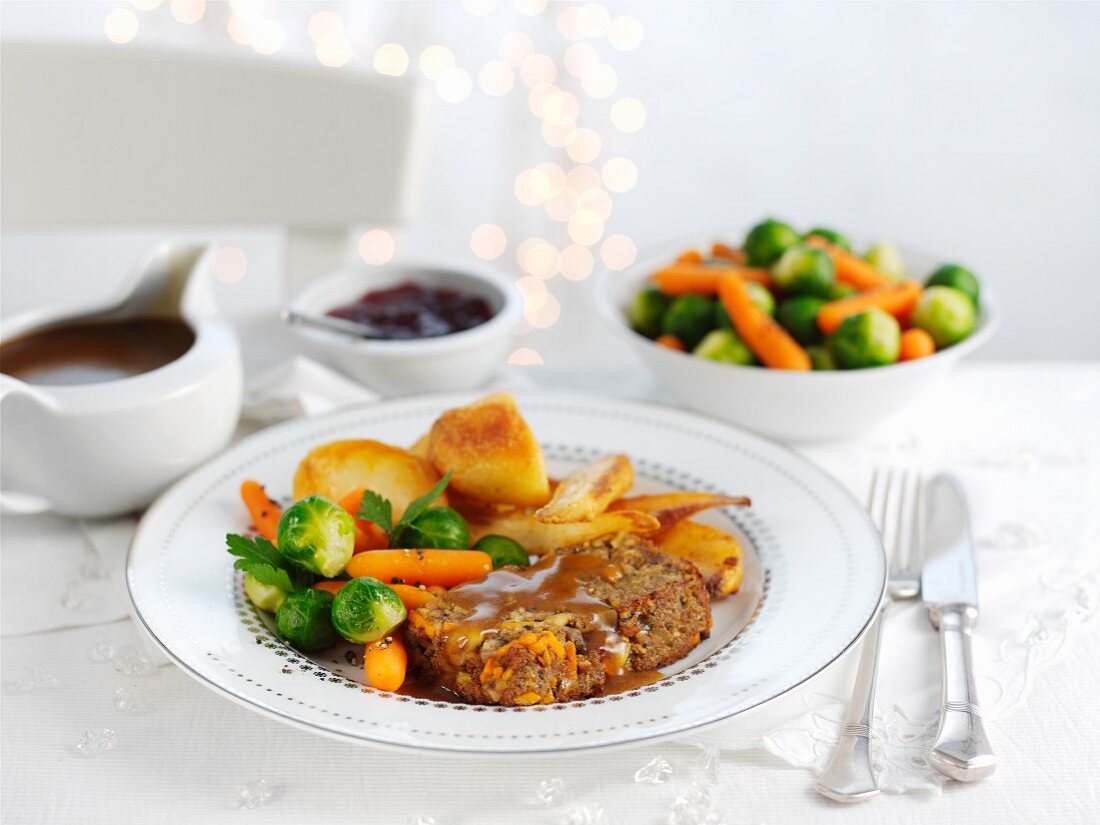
{"x":572,"y":94}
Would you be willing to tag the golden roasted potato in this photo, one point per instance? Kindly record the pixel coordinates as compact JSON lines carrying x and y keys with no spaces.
{"x":538,"y":537}
{"x":715,"y":552}
{"x":335,"y":469}
{"x":670,"y":508}
{"x":420,"y":448}
{"x":491,"y":453}
{"x":587,"y":492}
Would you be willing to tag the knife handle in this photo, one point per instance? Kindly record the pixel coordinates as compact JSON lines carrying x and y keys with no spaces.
{"x":961,"y":750}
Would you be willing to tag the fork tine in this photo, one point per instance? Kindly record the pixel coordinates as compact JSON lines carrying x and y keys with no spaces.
{"x":899,"y":549}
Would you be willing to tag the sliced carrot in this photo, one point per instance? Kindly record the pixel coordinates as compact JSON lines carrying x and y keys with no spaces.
{"x":768,"y":341}
{"x":413,"y":597}
{"x":916,"y":343}
{"x":692,"y":256}
{"x":728,"y":253}
{"x":443,"y":567}
{"x":385,"y":662}
{"x":368,"y":535}
{"x":670,"y":341}
{"x":897,"y":299}
{"x":681,"y":279}
{"x":265,"y":513}
{"x":851,"y":269}
{"x":333,"y":586}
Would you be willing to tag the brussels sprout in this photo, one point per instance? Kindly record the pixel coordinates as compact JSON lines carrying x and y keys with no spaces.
{"x":647,"y":310}
{"x":805,"y":271}
{"x":726,"y":347}
{"x":831,"y":235}
{"x":317,"y":534}
{"x":689,"y":318}
{"x":767,"y":241}
{"x":503,"y":550}
{"x":365,"y":610}
{"x":958,"y":277}
{"x":869,"y":339}
{"x":438,"y":528}
{"x":821,"y":358}
{"x":759,"y":295}
{"x":798,"y":316}
{"x":305,"y":620}
{"x":886,"y":258}
{"x":945,"y":313}
{"x":839,"y":290}
{"x":265,"y":596}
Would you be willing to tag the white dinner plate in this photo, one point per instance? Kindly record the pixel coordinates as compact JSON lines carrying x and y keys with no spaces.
{"x":815,"y":571}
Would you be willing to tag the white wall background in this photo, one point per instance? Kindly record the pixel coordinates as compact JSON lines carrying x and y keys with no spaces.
{"x":970,"y":130}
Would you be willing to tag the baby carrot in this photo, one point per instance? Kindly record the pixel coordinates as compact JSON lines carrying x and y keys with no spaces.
{"x":916,"y":343}
{"x":670,"y":341}
{"x":413,"y":597}
{"x":368,"y":535}
{"x":443,"y":567}
{"x":850,"y":269}
{"x":265,"y":513}
{"x":691,"y":256}
{"x":768,"y":341}
{"x":680,"y":279}
{"x":385,"y":662}
{"x":333,"y":586}
{"x":898,"y":299}
{"x":728,"y":253}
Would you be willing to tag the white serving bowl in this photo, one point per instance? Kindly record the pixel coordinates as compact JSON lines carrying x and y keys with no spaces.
{"x":801,"y":407}
{"x":462,"y":360}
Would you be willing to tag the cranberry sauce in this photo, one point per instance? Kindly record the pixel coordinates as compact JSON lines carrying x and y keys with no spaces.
{"x":413,"y":311}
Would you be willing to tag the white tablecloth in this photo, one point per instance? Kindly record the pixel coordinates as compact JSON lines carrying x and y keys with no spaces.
{"x":1024,"y":437}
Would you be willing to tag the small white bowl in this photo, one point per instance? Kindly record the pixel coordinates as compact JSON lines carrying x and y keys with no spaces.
{"x":801,"y":407}
{"x":459,"y":361}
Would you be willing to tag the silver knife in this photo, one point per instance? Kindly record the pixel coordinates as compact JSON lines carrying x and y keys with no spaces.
{"x":949,"y":589}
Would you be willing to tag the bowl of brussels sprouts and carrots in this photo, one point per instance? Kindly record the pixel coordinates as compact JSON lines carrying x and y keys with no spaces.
{"x":799,"y":335}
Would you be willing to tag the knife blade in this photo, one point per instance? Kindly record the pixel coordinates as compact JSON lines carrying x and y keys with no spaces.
{"x":949,"y":589}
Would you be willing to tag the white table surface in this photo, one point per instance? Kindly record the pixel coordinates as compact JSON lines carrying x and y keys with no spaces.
{"x":183,"y":758}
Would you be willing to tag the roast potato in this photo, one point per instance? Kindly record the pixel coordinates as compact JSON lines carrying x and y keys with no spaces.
{"x":670,"y":508}
{"x":715,"y":552}
{"x":587,"y":492}
{"x":335,"y":469}
{"x":490,"y":452}
{"x":538,"y":537}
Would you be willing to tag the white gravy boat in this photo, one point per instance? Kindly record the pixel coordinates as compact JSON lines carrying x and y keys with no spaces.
{"x":108,"y":448}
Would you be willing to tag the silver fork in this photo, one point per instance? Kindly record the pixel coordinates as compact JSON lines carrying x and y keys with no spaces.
{"x":894,"y":493}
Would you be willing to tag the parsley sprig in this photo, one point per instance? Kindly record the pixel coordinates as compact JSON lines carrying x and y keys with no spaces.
{"x":260,"y":558}
{"x":379,"y":510}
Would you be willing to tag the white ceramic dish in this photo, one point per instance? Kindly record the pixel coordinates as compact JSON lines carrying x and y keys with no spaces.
{"x":791,"y":406}
{"x":815,"y":571}
{"x":450,"y":362}
{"x":109,"y":448}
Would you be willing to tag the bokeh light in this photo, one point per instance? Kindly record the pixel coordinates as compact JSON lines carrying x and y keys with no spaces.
{"x":625,"y":33}
{"x":531,"y":7}
{"x":268,"y":36}
{"x":540,"y":259}
{"x":537,"y":70}
{"x":480,"y":8}
{"x":516,"y":47}
{"x":334,"y":50}
{"x":585,"y":227}
{"x":534,"y":292}
{"x":569,"y":23}
{"x":547,"y":180}
{"x":620,"y":174}
{"x":496,"y":78}
{"x":597,"y":201}
{"x":582,"y":178}
{"x":324,"y":23}
{"x":145,"y":5}
{"x":525,"y":357}
{"x":121,"y":26}
{"x":434,"y":60}
{"x":584,"y":145}
{"x":562,"y":206}
{"x":524,"y":191}
{"x":188,"y":11}
{"x":560,"y":108}
{"x":545,"y":315}
{"x":575,"y":262}
{"x":488,"y":241}
{"x":391,"y":59}
{"x":618,"y":252}
{"x":628,"y":114}
{"x":454,"y":85}
{"x":537,"y":97}
{"x":376,"y":246}
{"x":556,"y":136}
{"x":229,"y":264}
{"x":599,"y":81}
{"x":593,"y":20}
{"x":579,"y":57}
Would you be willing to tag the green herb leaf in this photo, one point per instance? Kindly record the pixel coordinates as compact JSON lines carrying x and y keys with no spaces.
{"x":376,"y":509}
{"x":260,"y":558}
{"x":418,"y":505}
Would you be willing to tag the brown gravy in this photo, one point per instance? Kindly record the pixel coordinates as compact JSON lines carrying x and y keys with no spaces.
{"x":92,"y":352}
